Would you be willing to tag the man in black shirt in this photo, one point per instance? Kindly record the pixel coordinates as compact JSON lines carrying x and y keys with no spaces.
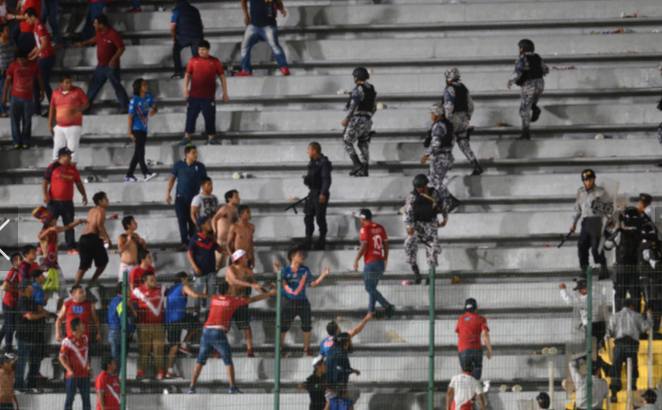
{"x":315,"y":384}
{"x":30,"y":336}
{"x":318,"y":181}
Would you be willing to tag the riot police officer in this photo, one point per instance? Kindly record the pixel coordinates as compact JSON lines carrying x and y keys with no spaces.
{"x":626,"y":231}
{"x":423,"y":205}
{"x":528,"y":74}
{"x":650,"y":270}
{"x":459,"y":107}
{"x":358,"y":123}
{"x":318,"y":181}
{"x":592,"y":203}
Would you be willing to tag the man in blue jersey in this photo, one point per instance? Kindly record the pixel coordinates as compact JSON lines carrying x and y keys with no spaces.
{"x":341,"y":403}
{"x":333,"y":329}
{"x":114,"y":319}
{"x":178,"y":319}
{"x":295,"y":303}
{"x":339,"y":369}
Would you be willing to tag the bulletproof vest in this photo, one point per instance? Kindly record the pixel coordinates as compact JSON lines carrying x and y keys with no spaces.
{"x":627,"y":251}
{"x":313,"y":178}
{"x":369,"y":95}
{"x":446,"y":141}
{"x":425,"y":208}
{"x":189,"y":23}
{"x":461,"y":100}
{"x":535,"y":69}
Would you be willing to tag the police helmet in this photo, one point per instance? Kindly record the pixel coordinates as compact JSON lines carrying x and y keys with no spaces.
{"x":361,"y":73}
{"x":526,"y":45}
{"x":630,"y":217}
{"x":650,"y":396}
{"x":543,"y":400}
{"x":436,"y":110}
{"x":588,"y":174}
{"x":452,"y":74}
{"x":421,"y":181}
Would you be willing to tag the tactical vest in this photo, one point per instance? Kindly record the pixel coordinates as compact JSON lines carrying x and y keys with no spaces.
{"x":535,"y":69}
{"x":446,"y":140}
{"x":627,"y":252}
{"x":189,"y":24}
{"x":425,"y":208}
{"x":369,"y":96}
{"x":461,"y":98}
{"x":313,"y":178}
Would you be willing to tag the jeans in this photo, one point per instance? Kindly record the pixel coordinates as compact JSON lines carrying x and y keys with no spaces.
{"x":99,"y":78}
{"x":475,"y":356}
{"x":372,"y":273}
{"x":49,"y":14}
{"x":9,"y":327}
{"x":82,"y":384}
{"x":186,"y":225}
{"x":93,"y":11}
{"x":45,"y":68}
{"x":207,"y":280}
{"x":180,"y":44}
{"x":28,"y":353}
{"x":25,"y":42}
{"x":115,"y":342}
{"x":21,"y":111}
{"x":65,"y":209}
{"x":252,"y":36}
{"x":135,"y":4}
{"x":138,"y":154}
{"x":214,"y":339}
{"x":3,"y":76}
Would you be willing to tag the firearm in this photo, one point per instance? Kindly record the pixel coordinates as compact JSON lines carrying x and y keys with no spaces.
{"x":564,"y":238}
{"x":294,"y":205}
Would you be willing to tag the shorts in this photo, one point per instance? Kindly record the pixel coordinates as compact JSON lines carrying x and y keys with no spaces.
{"x":293,"y":308}
{"x":125,"y":267}
{"x":68,"y":137}
{"x":91,"y":249}
{"x":174,"y":329}
{"x":214,"y":339}
{"x":241,"y":318}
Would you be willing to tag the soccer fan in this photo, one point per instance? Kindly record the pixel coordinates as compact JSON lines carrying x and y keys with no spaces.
{"x":30,"y":336}
{"x":129,"y":245}
{"x":202,"y":255}
{"x":78,"y":308}
{"x":43,"y":53}
{"x":74,"y":357}
{"x":151,"y":307}
{"x":315,"y":384}
{"x":49,"y":13}
{"x":7,"y":56}
{"x":29,"y":263}
{"x":339,"y":368}
{"x":241,"y":234}
{"x":114,"y":319}
{"x":141,"y":107}
{"x":463,"y":389}
{"x":10,"y":287}
{"x":470,"y":327}
{"x":107,"y":385}
{"x":93,"y":240}
{"x":333,"y":329}
{"x":215,"y":329}
{"x":295,"y":303}
{"x":225,"y":217}
{"x":67,"y":105}
{"x":146,"y":265}
{"x":205,"y":203}
{"x":186,"y":29}
{"x":7,"y":375}
{"x":25,"y":40}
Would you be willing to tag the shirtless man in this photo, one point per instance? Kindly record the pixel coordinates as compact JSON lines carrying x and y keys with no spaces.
{"x":241,"y":235}
{"x":91,"y":245}
{"x":129,"y":244}
{"x":7,"y":395}
{"x":241,"y":279}
{"x":48,"y":242}
{"x":221,"y":223}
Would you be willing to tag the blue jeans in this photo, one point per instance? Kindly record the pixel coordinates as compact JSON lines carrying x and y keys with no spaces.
{"x":9,"y":327}
{"x":95,"y":9}
{"x":115,"y":342}
{"x":372,"y":273}
{"x":45,"y":68}
{"x":28,"y":353}
{"x":49,"y":14}
{"x":135,"y":4}
{"x":252,"y":36}
{"x":82,"y":384}
{"x":186,"y":225}
{"x":194,"y":106}
{"x":21,"y":111}
{"x":3,"y":76}
{"x":180,"y":44}
{"x":209,"y":280}
{"x":99,"y":78}
{"x":214,"y":339}
{"x":475,"y":356}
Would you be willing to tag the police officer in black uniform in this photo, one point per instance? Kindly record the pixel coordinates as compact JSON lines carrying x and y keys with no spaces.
{"x":318,"y":181}
{"x":627,"y":224}
{"x":650,"y":271}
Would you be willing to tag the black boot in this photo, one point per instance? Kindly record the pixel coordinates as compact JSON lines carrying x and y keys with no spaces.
{"x":417,"y":274}
{"x":535,"y":113}
{"x":364,"y":171}
{"x":357,"y":165}
{"x":307,"y":245}
{"x":526,"y":135}
{"x":451,"y":203}
{"x":477,"y":170}
{"x":321,"y":244}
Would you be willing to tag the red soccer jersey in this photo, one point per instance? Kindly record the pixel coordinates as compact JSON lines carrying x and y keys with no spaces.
{"x":62,"y":179}
{"x":203,"y":76}
{"x":39,"y":33}
{"x":374,"y":235}
{"x":469,"y":327}
{"x":81,"y":310}
{"x":75,"y":350}
{"x":26,"y":269}
{"x":107,"y":45}
{"x":64,"y":102}
{"x":136,"y":275}
{"x":29,"y":4}
{"x":12,"y":279}
{"x":23,"y":79}
{"x":151,"y":310}
{"x":109,"y":385}
{"x":221,"y":311}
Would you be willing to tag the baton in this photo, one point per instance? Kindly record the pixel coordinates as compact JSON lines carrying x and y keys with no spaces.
{"x":564,"y":238}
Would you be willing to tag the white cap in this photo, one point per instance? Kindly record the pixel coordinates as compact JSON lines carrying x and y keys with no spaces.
{"x":238,"y":254}
{"x":319,"y":359}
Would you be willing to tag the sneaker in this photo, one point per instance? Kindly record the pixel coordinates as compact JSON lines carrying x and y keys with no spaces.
{"x":176,"y":76}
{"x":130,"y":179}
{"x":25,"y":147}
{"x":134,"y":10}
{"x":185,"y":351}
{"x":173,"y":376}
{"x":150,"y":176}
{"x":10,"y":356}
{"x":18,"y":146}
{"x":250,"y":353}
{"x":306,"y":353}
{"x":140,"y":375}
{"x":191,"y":390}
{"x":243,"y":73}
{"x":72,"y":252}
{"x":159,"y":375}
{"x":213,"y":141}
{"x":235,"y":390}
{"x":390,"y":311}
{"x":486,"y":386}
{"x":185,"y":141}
{"x":285,"y":71}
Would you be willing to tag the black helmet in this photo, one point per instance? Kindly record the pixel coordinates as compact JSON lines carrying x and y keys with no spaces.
{"x":543,"y":400}
{"x":421,"y":181}
{"x":650,"y":396}
{"x":588,"y":174}
{"x":526,"y":45}
{"x":361,"y":73}
{"x":631,"y":217}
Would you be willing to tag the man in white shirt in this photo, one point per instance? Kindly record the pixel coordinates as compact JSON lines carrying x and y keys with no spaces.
{"x":463,"y":389}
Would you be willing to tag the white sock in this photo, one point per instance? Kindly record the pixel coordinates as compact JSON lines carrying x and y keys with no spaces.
{"x":183,"y":345}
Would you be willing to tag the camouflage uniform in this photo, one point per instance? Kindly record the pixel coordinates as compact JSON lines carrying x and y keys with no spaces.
{"x":359,"y":125}
{"x":424,"y":232}
{"x":460,"y":121}
{"x":441,"y":148}
{"x":531,"y":89}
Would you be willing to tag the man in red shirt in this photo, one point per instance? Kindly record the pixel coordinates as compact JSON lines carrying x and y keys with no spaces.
{"x":58,"y":191}
{"x":29,"y":263}
{"x":151,"y":331}
{"x":136,"y":275}
{"x":74,"y":357}
{"x":78,"y":308}
{"x":107,"y":386}
{"x":470,"y":327}
{"x":214,"y":333}
{"x":201,"y":75}
{"x":110,"y":48}
{"x":374,"y":249}
{"x":43,"y":53}
{"x":67,"y":105}
{"x":25,"y":41}
{"x":10,"y":287}
{"x":21,"y":77}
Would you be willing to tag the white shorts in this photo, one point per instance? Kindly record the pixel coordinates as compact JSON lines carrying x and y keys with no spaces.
{"x":125,"y":267}
{"x":67,"y":137}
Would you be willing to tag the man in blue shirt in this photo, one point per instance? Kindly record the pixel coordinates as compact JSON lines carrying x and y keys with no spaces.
{"x":186,"y":29}
{"x":38,"y":280}
{"x":114,"y":319}
{"x":333,"y":329}
{"x":295,"y":303}
{"x":261,"y":25}
{"x":341,"y":403}
{"x":338,"y":367}
{"x":187,"y":173}
{"x":202,"y":255}
{"x":141,"y":107}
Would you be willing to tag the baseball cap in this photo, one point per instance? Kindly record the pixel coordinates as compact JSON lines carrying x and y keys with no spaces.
{"x":238,"y":254}
{"x":365,"y":214}
{"x":543,"y":400}
{"x":36,"y":273}
{"x":646,"y":198}
{"x":201,"y":221}
{"x":64,"y":151}
{"x":580,"y":283}
{"x":24,"y":284}
{"x":470,"y":305}
{"x":588,"y":174}
{"x":317,"y":361}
